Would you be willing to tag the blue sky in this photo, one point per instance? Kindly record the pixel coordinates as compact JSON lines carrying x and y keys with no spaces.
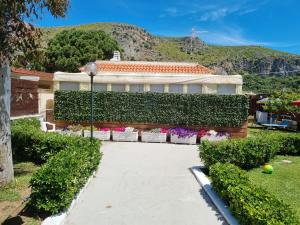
{"x":269,"y":23}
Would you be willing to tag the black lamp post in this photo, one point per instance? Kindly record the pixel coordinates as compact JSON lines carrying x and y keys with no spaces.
{"x":91,"y":70}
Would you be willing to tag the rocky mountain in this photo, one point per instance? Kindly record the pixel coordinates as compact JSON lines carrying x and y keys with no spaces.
{"x":138,"y":44}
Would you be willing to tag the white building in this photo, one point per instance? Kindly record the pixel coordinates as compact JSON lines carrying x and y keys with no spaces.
{"x":163,"y":77}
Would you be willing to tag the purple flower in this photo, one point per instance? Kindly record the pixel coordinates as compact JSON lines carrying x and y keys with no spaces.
{"x":182,"y":132}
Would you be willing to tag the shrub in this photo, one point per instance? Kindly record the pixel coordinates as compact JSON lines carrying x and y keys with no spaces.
{"x":31,"y":144}
{"x":159,"y":108}
{"x":58,"y":181}
{"x":289,"y":143}
{"x":245,"y":153}
{"x":250,"y":204}
{"x":68,"y":163}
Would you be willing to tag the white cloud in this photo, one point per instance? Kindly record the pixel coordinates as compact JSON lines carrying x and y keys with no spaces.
{"x":230,"y":36}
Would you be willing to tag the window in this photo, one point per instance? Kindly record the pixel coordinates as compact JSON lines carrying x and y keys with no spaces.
{"x":175,"y":88}
{"x":195,"y":89}
{"x":159,"y":88}
{"x":68,"y":86}
{"x":136,"y":88}
{"x":226,"y":89}
{"x":118,"y":87}
{"x":100,"y":87}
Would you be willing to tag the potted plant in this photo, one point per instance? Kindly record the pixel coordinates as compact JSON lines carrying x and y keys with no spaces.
{"x":183,"y":136}
{"x":155,"y":135}
{"x":75,"y":129}
{"x":125,"y":134}
{"x":99,"y":133}
{"x":214,"y":136}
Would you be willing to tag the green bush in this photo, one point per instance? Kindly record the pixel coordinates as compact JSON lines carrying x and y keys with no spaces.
{"x":68,"y":163}
{"x":250,"y":152}
{"x":245,"y":153}
{"x":289,"y":143}
{"x":29,"y":143}
{"x":58,"y":181}
{"x":250,"y":204}
{"x":161,"y":108}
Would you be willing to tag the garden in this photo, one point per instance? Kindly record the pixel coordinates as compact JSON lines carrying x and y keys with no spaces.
{"x":55,"y":166}
{"x":255,"y":196}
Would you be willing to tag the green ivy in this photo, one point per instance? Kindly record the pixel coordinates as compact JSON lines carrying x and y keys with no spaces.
{"x":157,"y":108}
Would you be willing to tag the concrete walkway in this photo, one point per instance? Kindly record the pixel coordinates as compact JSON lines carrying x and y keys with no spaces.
{"x":145,"y":184}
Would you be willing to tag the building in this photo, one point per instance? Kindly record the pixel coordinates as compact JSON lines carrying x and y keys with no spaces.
{"x":162,"y":77}
{"x":25,"y":82}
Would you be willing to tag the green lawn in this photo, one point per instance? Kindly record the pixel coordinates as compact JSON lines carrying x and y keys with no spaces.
{"x":12,"y":196}
{"x":284,"y":182}
{"x":252,"y":132}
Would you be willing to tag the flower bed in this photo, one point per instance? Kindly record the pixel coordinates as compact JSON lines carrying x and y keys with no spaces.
{"x":213,"y":136}
{"x":183,"y":136}
{"x":125,"y":134}
{"x":101,"y":134}
{"x":155,"y":135}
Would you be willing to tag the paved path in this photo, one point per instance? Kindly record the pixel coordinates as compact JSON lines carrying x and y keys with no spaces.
{"x":145,"y":184}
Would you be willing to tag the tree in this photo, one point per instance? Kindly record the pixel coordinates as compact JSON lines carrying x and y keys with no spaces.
{"x":70,"y":49}
{"x":16,"y":36}
{"x":281,"y":102}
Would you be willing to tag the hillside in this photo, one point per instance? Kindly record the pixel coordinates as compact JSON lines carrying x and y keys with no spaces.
{"x":138,"y":44}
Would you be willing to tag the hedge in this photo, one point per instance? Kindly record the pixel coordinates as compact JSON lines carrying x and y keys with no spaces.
{"x":250,"y":204}
{"x":29,"y":143}
{"x":68,"y":163}
{"x":250,"y":152}
{"x":157,"y":108}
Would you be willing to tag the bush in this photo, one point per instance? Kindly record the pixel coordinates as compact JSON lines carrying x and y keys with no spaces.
{"x":68,"y":163}
{"x":289,"y":143}
{"x":157,"y":108}
{"x":245,"y":153}
{"x":31,"y":144}
{"x":250,"y":204}
{"x":58,"y":181}
{"x":250,"y":152}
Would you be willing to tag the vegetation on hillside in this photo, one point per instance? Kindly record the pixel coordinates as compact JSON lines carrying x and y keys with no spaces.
{"x":269,"y":84}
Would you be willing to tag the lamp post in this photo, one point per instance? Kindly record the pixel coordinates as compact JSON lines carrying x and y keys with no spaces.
{"x":91,"y":70}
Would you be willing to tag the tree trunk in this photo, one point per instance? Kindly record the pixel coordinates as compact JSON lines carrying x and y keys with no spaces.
{"x":6,"y":164}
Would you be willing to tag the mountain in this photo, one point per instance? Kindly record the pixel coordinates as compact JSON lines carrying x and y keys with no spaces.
{"x":140,"y":45}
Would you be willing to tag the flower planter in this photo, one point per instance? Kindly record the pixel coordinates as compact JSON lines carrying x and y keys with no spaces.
{"x":213,"y":138}
{"x":154,"y":137}
{"x":183,"y":140}
{"x":101,"y":135}
{"x":125,"y":136}
{"x":74,"y":133}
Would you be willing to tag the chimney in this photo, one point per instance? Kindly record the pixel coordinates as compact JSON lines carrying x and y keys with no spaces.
{"x":117,"y":56}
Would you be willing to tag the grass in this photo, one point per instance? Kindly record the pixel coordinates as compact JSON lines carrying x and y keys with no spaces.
{"x":13,"y":196}
{"x":284,"y":182}
{"x":252,"y":132}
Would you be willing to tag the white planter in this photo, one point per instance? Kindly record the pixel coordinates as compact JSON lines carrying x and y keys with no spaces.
{"x":125,"y":136}
{"x":183,"y":140}
{"x":214,"y":138}
{"x":101,"y":135}
{"x":154,"y":137}
{"x":74,"y":133}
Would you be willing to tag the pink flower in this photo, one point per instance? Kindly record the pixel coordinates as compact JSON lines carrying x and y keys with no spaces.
{"x":104,"y":129}
{"x":202,"y":133}
{"x":119,"y":129}
{"x":164,"y":130}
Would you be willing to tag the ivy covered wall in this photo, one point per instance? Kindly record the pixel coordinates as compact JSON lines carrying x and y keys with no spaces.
{"x":156,"y":108}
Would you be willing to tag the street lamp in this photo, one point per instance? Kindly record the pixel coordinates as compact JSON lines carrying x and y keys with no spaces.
{"x":91,"y":70}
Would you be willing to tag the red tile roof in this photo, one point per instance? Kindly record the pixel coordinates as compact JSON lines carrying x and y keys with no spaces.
{"x":25,"y":72}
{"x":151,"y":67}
